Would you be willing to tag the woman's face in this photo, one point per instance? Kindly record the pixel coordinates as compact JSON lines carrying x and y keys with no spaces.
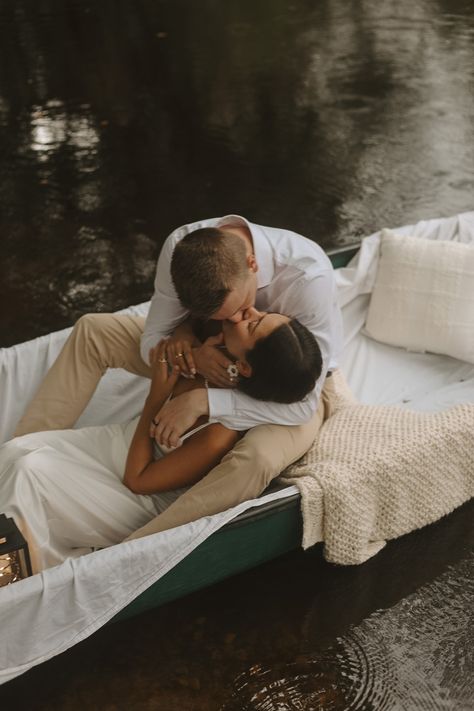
{"x":242,"y":336}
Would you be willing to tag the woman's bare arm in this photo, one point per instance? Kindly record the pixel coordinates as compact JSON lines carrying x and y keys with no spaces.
{"x":140,"y":453}
{"x":188,"y":463}
{"x":183,"y":466}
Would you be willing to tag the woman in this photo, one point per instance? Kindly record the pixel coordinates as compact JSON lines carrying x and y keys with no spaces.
{"x":71,"y":491}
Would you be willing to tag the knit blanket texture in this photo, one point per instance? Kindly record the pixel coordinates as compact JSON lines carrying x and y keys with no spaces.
{"x":378,"y":472}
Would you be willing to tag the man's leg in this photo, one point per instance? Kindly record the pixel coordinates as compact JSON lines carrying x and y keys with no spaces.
{"x":97,"y":342}
{"x":246,"y":471}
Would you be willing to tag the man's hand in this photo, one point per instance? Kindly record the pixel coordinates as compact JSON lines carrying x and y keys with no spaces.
{"x":178,"y":415}
{"x":212,"y":364}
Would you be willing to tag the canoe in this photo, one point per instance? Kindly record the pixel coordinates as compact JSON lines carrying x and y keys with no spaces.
{"x":252,"y":538}
{"x":244,"y":537}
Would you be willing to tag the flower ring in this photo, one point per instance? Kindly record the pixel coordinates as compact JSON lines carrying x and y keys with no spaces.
{"x":233,"y":371}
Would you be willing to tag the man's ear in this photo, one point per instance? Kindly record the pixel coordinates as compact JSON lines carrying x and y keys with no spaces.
{"x":252,"y":262}
{"x":245,"y":369}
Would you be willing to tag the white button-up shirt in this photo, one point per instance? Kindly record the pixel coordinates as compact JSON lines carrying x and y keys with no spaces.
{"x":296,"y":278}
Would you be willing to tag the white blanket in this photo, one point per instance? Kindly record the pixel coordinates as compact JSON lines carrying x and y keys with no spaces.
{"x":48,"y":613}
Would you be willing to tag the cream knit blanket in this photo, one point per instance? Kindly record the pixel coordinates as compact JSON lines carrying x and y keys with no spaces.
{"x":378,"y":472}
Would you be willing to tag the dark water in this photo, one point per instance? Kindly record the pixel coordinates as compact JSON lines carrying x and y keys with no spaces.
{"x":121,"y":120}
{"x":418,"y":655}
{"x":297,"y":634}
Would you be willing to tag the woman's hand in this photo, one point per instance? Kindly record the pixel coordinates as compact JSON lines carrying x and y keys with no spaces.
{"x":163,"y":379}
{"x":179,"y":352}
{"x":212,"y":364}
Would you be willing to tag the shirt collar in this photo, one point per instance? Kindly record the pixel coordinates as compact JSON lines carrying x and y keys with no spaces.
{"x":261,"y":247}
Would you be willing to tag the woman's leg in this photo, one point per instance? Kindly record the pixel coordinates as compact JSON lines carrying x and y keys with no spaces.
{"x":97,"y":342}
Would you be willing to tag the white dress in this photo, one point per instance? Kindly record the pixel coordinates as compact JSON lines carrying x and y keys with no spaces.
{"x":64,"y":490}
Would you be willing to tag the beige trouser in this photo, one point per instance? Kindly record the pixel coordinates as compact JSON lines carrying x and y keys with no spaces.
{"x":101,"y":341}
{"x":246,"y":471}
{"x":97,"y":342}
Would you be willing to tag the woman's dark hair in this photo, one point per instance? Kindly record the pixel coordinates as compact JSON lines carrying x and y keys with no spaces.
{"x":285,"y":365}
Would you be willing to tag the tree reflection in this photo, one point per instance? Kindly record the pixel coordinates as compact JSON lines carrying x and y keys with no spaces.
{"x":126,"y":120}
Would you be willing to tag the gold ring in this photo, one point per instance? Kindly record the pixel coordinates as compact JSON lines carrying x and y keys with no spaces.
{"x":162,"y":360}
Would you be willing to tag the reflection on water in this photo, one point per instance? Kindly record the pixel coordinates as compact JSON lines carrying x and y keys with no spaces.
{"x":124,"y":121}
{"x":120,"y":121}
{"x":418,"y":655}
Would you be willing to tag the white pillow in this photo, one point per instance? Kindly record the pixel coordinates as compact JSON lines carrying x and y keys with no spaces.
{"x":423,"y":298}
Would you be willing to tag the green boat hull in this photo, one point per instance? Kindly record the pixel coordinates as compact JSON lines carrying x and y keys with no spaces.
{"x":259,"y":535}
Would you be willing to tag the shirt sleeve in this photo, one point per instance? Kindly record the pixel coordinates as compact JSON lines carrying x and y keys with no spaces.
{"x":166,"y":312}
{"x":241,"y":412}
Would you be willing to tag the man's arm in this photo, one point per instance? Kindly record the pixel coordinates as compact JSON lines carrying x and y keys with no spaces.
{"x":166,"y":312}
{"x":167,"y":316}
{"x":245,"y":412}
{"x":177,"y":415}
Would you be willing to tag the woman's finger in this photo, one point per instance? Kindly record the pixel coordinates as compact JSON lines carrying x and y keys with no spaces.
{"x":153,"y":425}
{"x":175,"y":355}
{"x":170,"y":352}
{"x":189,"y":359}
{"x":221,"y":359}
{"x":160,"y":357}
{"x":173,"y":376}
{"x":180,"y":357}
{"x":221,"y":377}
{"x":215,"y":340}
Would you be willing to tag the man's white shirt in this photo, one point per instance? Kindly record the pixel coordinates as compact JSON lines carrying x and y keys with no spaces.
{"x":296,"y":278}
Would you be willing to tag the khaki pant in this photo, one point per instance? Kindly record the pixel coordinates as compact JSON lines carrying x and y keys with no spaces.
{"x":246,"y":471}
{"x":97,"y":342}
{"x":101,"y":341}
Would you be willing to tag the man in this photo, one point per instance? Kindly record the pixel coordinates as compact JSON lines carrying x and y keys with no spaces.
{"x":277,"y":270}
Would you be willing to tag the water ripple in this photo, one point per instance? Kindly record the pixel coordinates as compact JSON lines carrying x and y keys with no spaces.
{"x":419,"y":655}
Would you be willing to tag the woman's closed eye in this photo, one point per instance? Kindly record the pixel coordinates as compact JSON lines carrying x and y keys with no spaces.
{"x":255,"y":323}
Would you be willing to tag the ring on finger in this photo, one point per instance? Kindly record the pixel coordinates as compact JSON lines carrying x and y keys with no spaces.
{"x":232,"y":371}
{"x":162,"y":360}
{"x":179,"y":355}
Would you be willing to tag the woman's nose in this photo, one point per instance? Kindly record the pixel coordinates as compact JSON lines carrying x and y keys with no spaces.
{"x":237,"y":317}
{"x":251,"y":312}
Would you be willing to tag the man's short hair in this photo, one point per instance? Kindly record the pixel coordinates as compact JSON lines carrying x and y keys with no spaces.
{"x":206,"y":266}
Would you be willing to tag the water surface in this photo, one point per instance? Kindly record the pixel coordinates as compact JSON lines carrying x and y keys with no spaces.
{"x":120,"y":121}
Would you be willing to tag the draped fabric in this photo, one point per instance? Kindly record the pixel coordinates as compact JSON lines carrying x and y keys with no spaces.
{"x":46,"y":614}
